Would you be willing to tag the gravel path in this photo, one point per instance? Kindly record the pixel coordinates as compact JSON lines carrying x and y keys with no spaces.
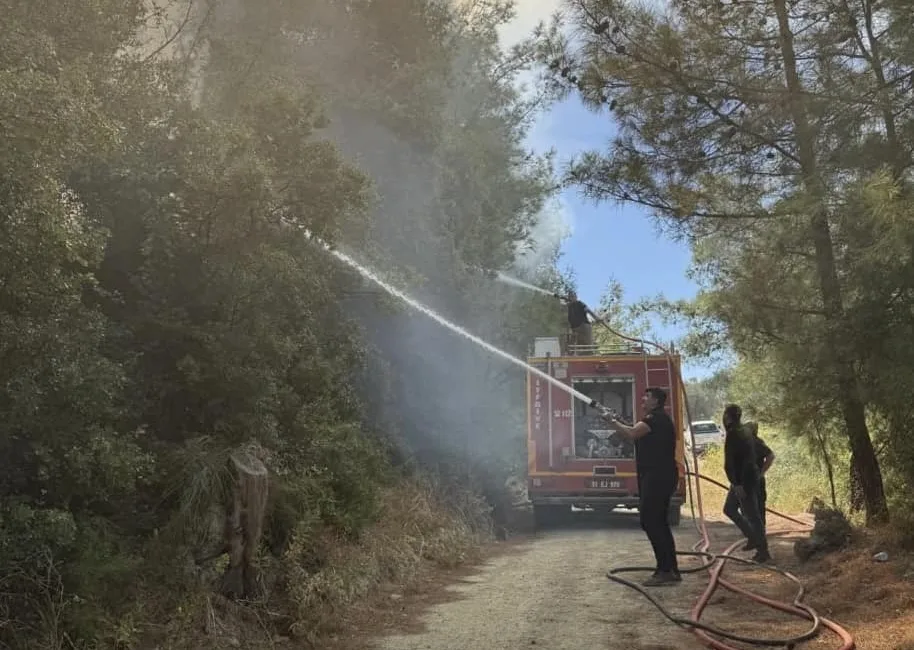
{"x":554,"y":595}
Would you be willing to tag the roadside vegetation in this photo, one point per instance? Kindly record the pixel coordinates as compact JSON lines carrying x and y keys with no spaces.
{"x":213,"y":434}
{"x":793,"y":482}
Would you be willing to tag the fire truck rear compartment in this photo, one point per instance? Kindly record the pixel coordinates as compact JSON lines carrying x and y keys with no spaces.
{"x":575,"y":461}
{"x":592,"y":434}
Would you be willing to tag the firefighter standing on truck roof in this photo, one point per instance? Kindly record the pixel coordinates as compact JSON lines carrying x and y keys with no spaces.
{"x":655,"y":461}
{"x":581,"y":329}
{"x":742,"y":504}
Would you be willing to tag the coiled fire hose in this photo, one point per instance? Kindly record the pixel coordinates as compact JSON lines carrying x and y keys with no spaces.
{"x":797,"y":607}
{"x":709,"y":635}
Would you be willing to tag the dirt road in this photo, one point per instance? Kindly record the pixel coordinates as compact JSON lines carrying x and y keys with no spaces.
{"x":553,"y":593}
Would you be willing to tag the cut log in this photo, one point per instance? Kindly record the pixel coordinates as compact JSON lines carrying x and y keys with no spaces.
{"x":245,"y":513}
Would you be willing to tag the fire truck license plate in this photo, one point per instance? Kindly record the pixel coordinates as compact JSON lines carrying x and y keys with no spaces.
{"x":605,"y":483}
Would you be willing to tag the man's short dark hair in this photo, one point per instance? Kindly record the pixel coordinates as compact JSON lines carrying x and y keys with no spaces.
{"x":733,"y":412}
{"x":658,"y":394}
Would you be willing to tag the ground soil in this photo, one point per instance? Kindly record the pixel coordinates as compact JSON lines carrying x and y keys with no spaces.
{"x":873,"y":600}
{"x":549,"y":590}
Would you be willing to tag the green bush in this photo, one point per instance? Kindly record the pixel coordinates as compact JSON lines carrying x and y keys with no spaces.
{"x":792,"y":482}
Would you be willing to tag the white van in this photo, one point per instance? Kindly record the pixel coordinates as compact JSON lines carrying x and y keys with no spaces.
{"x":706,"y":433}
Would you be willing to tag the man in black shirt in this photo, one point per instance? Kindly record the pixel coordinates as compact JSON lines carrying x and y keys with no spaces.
{"x":581,"y":330}
{"x":742,"y":503}
{"x":658,"y":476}
{"x":764,"y":459}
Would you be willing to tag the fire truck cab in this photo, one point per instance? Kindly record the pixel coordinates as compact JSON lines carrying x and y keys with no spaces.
{"x":571,"y":460}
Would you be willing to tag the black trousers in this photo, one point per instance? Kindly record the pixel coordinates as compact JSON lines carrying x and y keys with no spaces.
{"x":744,"y":512}
{"x":656,"y":489}
{"x":762,"y":504}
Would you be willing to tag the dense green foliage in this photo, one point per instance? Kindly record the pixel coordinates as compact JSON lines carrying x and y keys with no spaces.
{"x":625,"y":320}
{"x":775,"y":138}
{"x":161,"y":306}
{"x":707,"y":397}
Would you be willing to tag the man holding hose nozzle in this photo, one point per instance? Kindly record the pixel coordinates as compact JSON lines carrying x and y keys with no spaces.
{"x":742,"y":504}
{"x":655,"y":462}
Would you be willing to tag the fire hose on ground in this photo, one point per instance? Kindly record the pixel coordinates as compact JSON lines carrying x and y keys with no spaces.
{"x":715,"y":563}
{"x":710,"y":635}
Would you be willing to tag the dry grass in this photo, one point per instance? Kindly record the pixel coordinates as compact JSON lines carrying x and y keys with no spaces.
{"x":417,"y":536}
{"x":394,"y":609}
{"x":873,"y":600}
{"x":415,"y":529}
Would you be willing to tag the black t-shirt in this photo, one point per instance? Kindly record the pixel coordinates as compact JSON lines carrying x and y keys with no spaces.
{"x":656,"y":451}
{"x":739,"y":458}
{"x":577,"y":313}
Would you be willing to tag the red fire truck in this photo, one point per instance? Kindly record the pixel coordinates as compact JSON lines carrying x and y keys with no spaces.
{"x":572,"y":457}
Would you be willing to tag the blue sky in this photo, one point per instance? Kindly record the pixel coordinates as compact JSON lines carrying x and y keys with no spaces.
{"x":610,"y":240}
{"x":605,"y":241}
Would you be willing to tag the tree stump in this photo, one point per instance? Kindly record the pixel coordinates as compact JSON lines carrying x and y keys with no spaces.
{"x":245,"y":514}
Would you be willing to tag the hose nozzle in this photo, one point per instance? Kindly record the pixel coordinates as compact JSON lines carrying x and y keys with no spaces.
{"x":604,"y":411}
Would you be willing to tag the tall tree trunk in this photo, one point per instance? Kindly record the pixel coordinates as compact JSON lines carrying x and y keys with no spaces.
{"x":855,"y":488}
{"x":820,"y":231}
{"x":829,"y":467}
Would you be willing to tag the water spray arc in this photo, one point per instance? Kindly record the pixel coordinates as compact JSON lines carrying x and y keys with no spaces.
{"x":368,"y":274}
{"x":507,"y":279}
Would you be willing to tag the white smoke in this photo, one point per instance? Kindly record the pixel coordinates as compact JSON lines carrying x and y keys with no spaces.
{"x":555,"y":222}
